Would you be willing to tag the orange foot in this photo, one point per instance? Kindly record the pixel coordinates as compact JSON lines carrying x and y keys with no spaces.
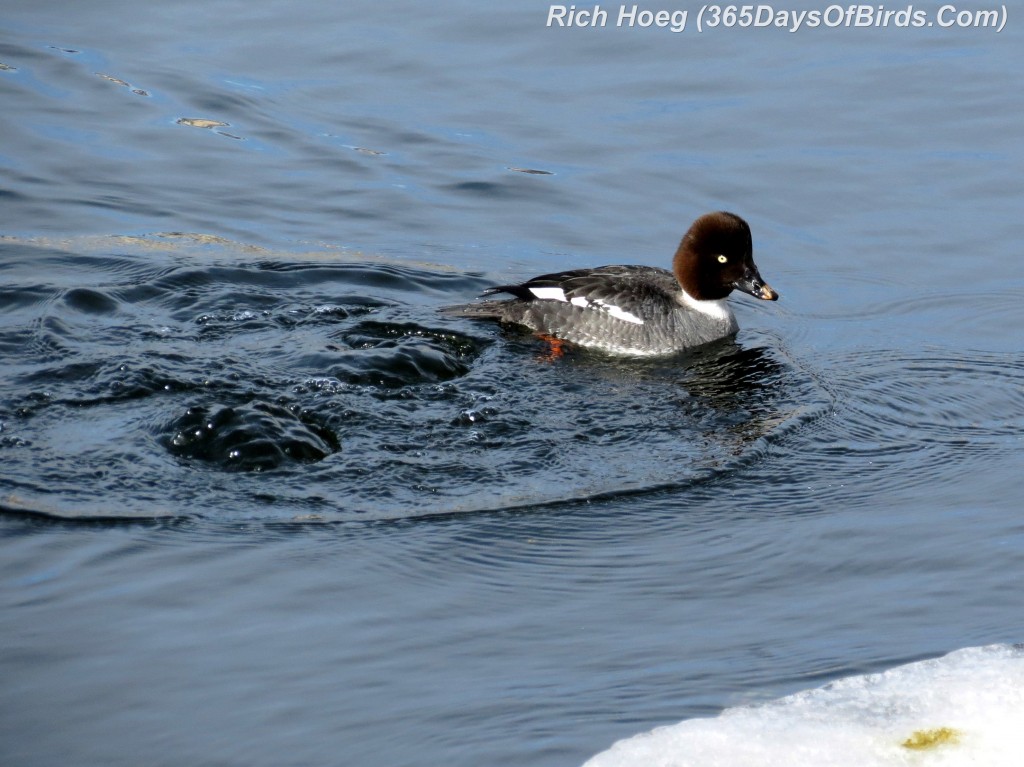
{"x":556,"y":348}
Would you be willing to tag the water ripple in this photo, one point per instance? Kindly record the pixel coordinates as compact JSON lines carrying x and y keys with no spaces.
{"x":168,"y":381}
{"x":901,"y":422}
{"x":178,"y":380}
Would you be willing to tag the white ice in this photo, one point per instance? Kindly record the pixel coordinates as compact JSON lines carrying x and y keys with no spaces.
{"x":966,"y":708}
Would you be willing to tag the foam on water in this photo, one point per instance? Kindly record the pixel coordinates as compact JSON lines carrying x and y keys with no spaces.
{"x":965,"y":708}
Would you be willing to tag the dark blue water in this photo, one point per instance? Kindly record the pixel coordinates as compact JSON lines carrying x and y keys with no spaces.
{"x":264,"y":503}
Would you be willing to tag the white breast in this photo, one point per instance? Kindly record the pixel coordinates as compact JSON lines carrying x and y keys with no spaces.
{"x":717,"y":308}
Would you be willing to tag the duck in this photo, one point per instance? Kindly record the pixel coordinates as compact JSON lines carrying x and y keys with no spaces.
{"x":640,"y":310}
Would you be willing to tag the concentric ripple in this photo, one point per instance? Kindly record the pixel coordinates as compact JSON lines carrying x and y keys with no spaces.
{"x":904,"y":421}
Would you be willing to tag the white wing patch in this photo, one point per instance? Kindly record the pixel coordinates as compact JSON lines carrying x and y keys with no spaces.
{"x":619,"y":313}
{"x":555,"y":294}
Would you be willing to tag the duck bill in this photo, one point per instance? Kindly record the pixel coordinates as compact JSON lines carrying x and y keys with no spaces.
{"x":752,"y":283}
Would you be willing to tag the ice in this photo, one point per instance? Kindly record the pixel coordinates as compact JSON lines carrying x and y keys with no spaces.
{"x":965,"y":708}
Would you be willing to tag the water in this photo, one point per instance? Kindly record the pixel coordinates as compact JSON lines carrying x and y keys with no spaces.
{"x":265,"y":504}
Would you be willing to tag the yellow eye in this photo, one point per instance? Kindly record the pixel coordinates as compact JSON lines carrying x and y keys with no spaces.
{"x":722,"y":259}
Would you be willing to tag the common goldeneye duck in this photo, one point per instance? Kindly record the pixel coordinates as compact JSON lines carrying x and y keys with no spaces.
{"x":641,"y":310}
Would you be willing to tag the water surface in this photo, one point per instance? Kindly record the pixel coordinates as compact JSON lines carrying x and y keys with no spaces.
{"x":264,"y":503}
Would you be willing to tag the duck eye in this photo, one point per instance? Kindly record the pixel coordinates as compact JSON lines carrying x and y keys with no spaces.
{"x":722,"y":259}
